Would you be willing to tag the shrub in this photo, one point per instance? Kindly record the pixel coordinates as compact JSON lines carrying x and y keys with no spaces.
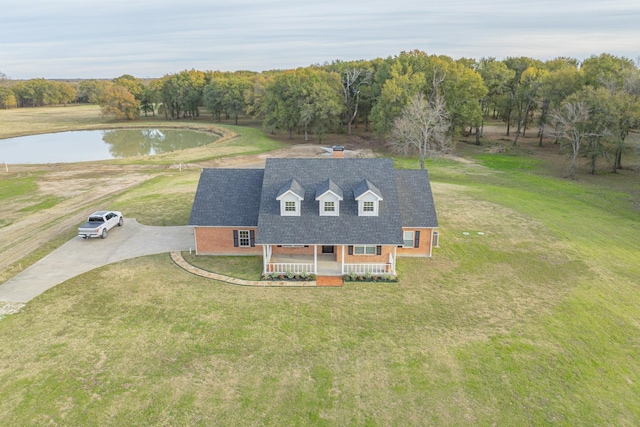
{"x":290,"y":275}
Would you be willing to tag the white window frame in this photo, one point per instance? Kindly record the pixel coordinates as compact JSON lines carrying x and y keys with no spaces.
{"x":329,"y":207}
{"x":241,"y":238}
{"x":368,"y":198}
{"x":411,"y":239}
{"x":364,"y":249}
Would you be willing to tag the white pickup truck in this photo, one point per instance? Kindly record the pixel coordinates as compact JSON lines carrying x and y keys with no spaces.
{"x":99,"y":224}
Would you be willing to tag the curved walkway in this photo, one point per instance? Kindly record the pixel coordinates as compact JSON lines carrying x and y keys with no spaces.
{"x":180,"y":261}
{"x":80,"y":255}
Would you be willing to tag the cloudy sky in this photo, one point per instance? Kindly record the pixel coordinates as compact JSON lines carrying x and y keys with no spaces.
{"x":105,"y":39}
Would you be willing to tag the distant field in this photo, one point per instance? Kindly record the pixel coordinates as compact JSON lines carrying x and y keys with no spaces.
{"x":528,"y":314}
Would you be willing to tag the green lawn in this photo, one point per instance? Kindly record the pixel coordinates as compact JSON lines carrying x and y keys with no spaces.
{"x":528,"y":314}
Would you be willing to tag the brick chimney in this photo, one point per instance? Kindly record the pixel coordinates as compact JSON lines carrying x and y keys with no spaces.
{"x":338,"y":152}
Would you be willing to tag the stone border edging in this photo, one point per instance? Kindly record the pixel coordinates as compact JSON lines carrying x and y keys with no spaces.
{"x":180,"y":262}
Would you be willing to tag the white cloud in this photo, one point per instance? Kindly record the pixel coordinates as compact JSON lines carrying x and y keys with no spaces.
{"x":77,"y":38}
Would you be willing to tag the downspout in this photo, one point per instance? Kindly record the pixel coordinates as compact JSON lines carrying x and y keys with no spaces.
{"x":342,"y":269}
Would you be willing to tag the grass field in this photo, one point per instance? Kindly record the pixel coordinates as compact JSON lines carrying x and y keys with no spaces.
{"x":536,"y":321}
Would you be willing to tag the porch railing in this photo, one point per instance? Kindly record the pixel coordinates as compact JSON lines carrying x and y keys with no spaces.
{"x":378,"y":268}
{"x":289,"y":267}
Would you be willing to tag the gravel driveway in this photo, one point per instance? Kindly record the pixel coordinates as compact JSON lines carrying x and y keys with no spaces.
{"x":80,"y":255}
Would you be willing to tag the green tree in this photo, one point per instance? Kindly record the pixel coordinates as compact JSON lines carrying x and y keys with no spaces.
{"x":7,"y":98}
{"x":496,"y":77}
{"x":605,"y":70}
{"x":355,"y":75}
{"x":182,"y":93}
{"x":89,"y":91}
{"x":227,"y":94}
{"x":555,"y":87}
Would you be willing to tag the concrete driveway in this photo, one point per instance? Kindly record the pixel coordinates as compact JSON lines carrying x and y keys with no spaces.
{"x":80,"y":255}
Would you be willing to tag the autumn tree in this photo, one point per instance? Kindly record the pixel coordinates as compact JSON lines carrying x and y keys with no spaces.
{"x":118,"y":101}
{"x":423,"y":127}
{"x":132,"y":84}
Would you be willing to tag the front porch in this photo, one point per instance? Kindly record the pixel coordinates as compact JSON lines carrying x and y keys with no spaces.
{"x":324,"y":264}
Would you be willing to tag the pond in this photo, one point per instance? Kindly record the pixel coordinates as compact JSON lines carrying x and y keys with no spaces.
{"x":81,"y":146}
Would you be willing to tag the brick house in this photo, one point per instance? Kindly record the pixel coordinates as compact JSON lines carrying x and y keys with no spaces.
{"x":323,"y":216}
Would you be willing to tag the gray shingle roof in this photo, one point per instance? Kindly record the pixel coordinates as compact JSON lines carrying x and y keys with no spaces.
{"x":416,"y":200}
{"x":228,"y":197}
{"x":348,"y":228}
{"x":365,"y":186}
{"x":292,"y":186}
{"x":247,"y":198}
{"x":329,"y":185}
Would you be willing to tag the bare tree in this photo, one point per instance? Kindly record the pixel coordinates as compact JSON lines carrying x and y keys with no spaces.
{"x":422,"y":127}
{"x":352,"y":80}
{"x":572,"y":124}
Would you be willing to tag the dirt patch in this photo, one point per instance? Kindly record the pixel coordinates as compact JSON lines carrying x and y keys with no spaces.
{"x":294,"y":151}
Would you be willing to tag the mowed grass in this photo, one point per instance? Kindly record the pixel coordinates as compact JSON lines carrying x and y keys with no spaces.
{"x":533,"y":322}
{"x":526,"y":315}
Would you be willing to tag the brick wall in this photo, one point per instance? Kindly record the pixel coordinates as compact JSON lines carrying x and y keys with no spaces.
{"x":424,"y":250}
{"x":219,"y":241}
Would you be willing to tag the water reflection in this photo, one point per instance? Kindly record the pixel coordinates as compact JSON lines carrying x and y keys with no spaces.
{"x":144,"y":142}
{"x":81,"y":146}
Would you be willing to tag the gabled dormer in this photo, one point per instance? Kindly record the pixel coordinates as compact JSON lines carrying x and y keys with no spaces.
{"x":290,"y":196}
{"x":368,"y":197}
{"x":329,"y":196}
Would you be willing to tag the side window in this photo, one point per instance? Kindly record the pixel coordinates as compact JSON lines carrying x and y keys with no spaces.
{"x":408,"y":239}
{"x":243,"y":236}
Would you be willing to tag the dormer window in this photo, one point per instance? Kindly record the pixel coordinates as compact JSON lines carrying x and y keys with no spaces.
{"x":329,"y":207}
{"x":329,"y":196}
{"x":290,"y":206}
{"x":290,"y":196}
{"x":368,"y":197}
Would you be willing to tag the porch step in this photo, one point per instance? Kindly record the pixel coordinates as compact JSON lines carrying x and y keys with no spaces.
{"x":329,"y":281}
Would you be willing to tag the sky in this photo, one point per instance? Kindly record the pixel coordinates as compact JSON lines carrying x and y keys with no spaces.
{"x":64,"y":39}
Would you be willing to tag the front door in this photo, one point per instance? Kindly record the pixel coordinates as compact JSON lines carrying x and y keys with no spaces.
{"x":327,"y":249}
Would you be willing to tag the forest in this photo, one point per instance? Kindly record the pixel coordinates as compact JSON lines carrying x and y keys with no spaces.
{"x":418,"y":101}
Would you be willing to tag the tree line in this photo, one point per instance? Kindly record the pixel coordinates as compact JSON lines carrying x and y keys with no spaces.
{"x":599,"y":98}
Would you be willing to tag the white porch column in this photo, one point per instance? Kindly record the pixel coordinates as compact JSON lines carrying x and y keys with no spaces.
{"x":315,"y":259}
{"x":342,"y":268}
{"x":395,"y":256}
{"x":264,"y":259}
